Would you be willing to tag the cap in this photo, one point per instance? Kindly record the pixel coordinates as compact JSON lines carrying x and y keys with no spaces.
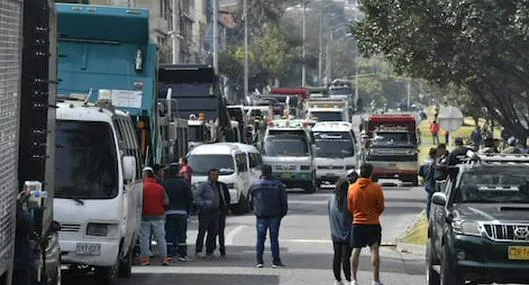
{"x":147,"y":168}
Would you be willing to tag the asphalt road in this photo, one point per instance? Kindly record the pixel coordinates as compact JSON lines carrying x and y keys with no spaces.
{"x":305,"y":246}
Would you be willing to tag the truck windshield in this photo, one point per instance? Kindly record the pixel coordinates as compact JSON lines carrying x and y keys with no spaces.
{"x":85,"y":160}
{"x":202,"y":163}
{"x":507,"y":185}
{"x":327,"y":116}
{"x":286,"y":146}
{"x":393,"y":138}
{"x":334,"y":144}
{"x":340,"y":91}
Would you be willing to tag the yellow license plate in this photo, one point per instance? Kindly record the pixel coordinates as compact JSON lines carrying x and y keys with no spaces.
{"x":519,"y":252}
{"x":286,"y":175}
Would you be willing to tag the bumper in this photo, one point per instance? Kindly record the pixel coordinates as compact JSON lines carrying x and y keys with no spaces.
{"x":330,"y":175}
{"x":394,"y":169}
{"x":481,"y":260}
{"x":108,"y":252}
{"x":294,"y":179}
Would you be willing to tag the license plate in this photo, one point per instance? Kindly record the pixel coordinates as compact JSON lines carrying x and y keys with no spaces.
{"x":286,"y":175}
{"x":88,"y":249}
{"x":519,"y":252}
{"x":392,"y":165}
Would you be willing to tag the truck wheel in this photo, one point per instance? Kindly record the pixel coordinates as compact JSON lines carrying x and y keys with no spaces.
{"x":318,"y":183}
{"x":449,"y":275}
{"x":125,"y":265}
{"x":432,"y":277}
{"x":311,"y":187}
{"x":415,"y":181}
{"x":107,"y":275}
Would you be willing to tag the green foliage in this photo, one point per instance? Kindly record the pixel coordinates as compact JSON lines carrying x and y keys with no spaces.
{"x":481,"y":45}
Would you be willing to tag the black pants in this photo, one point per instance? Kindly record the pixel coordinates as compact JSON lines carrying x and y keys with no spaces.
{"x":222,"y":226}
{"x":342,"y":258}
{"x":207,"y":223}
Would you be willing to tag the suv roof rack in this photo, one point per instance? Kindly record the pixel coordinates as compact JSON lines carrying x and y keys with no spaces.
{"x":496,"y":158}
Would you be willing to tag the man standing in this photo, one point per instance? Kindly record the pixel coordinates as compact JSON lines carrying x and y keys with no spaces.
{"x":460,"y":151}
{"x":270,"y":205}
{"x":427,"y":172}
{"x":434,"y":129}
{"x":208,"y":206}
{"x":185,"y":170}
{"x":180,"y":203}
{"x":225,"y":199}
{"x":366,"y":204}
{"x":153,"y":219}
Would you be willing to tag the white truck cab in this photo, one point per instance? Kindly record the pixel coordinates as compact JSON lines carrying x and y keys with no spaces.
{"x":98,"y":196}
{"x":335,"y":150}
{"x":327,"y":110}
{"x":232,"y":165}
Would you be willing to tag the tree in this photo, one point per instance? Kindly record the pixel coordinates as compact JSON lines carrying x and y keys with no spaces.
{"x":480,"y":45}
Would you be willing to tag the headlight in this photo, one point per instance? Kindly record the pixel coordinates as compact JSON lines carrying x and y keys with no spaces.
{"x":305,"y":167}
{"x":101,"y":230}
{"x":466,"y":228}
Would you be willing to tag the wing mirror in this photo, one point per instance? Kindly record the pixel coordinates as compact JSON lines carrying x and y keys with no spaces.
{"x":55,"y":227}
{"x":439,"y":199}
{"x":129,"y":168}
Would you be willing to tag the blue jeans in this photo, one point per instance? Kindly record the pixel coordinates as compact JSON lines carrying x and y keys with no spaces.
{"x":155,"y":227}
{"x":176,"y":234}
{"x":271,"y":225}
{"x":428,"y":203}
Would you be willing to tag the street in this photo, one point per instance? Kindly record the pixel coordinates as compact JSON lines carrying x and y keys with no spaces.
{"x":305,"y":247}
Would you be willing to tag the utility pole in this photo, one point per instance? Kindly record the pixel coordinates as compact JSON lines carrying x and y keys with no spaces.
{"x":175,"y":31}
{"x":245,"y":48}
{"x":328,"y":69}
{"x":303,"y":70}
{"x":215,"y":35}
{"x":356,"y":56}
{"x":409,"y":94}
{"x":320,"y":54}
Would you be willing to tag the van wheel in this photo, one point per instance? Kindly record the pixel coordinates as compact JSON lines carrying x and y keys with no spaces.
{"x":125,"y":265}
{"x":242,"y":206}
{"x":107,"y":275}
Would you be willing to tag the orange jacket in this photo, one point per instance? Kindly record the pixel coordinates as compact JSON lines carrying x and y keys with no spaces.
{"x":434,"y":128}
{"x":366,"y":202}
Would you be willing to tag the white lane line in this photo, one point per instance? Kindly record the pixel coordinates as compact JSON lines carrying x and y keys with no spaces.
{"x":323,"y":241}
{"x":307,"y":202}
{"x":230,"y":237}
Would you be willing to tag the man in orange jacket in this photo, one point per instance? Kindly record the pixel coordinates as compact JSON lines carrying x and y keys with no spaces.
{"x":366,"y":204}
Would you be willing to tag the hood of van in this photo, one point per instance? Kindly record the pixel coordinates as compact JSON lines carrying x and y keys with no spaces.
{"x":71,"y":213}
{"x":269,"y":160}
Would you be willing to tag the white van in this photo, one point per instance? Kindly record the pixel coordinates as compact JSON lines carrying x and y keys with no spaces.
{"x":98,"y":189}
{"x":335,"y":150}
{"x":254,"y":159}
{"x":232,"y":165}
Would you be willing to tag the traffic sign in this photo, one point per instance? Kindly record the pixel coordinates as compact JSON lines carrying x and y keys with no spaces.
{"x":450,"y":118}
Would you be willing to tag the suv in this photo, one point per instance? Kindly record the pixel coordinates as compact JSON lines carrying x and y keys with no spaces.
{"x":479,"y":223}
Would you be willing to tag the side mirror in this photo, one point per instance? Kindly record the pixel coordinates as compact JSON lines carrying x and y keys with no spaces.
{"x":55,"y":227}
{"x":129,"y":167}
{"x":439,"y":199}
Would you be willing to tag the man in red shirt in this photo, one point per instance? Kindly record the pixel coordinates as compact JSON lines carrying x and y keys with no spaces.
{"x":155,"y":201}
{"x":185,"y":170}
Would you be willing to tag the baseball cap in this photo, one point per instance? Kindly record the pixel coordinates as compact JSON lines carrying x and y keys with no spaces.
{"x":148,"y":168}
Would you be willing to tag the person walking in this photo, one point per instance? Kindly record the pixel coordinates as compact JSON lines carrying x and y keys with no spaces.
{"x":185,"y":169}
{"x":477,"y":137}
{"x":434,"y":129}
{"x":155,"y":201}
{"x":340,"y":221}
{"x":427,"y":172}
{"x":208,"y":206}
{"x":366,"y":204}
{"x":270,"y":205}
{"x":180,"y":204}
{"x":225,"y":199}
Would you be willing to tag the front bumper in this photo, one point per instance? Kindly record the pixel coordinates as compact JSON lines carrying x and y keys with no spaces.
{"x":108,"y":253}
{"x":481,"y":260}
{"x":388,"y":169}
{"x":294,"y":179}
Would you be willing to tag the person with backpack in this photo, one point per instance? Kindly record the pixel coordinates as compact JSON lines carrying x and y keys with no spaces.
{"x":427,"y":172}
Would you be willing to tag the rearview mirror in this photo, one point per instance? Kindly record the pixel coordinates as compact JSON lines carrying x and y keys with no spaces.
{"x":129,"y":168}
{"x":439,"y":199}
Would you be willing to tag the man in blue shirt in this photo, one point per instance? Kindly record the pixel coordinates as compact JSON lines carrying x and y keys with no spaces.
{"x":270,"y":205}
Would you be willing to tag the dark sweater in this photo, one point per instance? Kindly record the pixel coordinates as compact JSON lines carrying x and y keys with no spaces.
{"x":180,"y":196}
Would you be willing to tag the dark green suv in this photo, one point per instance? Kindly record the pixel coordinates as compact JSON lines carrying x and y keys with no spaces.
{"x":479,"y":223}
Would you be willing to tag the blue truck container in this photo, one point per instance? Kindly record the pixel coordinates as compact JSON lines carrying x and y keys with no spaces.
{"x":106,"y":51}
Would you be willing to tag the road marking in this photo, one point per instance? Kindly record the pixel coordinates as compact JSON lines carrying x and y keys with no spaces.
{"x":230,"y":237}
{"x":308,"y":202}
{"x":324,"y":241}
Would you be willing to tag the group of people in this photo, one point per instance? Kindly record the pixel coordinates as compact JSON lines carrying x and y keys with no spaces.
{"x":354,"y":218}
{"x":168,"y":202}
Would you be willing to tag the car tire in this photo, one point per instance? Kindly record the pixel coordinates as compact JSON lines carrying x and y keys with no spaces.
{"x":432,"y":276}
{"x":107,"y":275}
{"x":125,"y":264}
{"x":449,"y":274}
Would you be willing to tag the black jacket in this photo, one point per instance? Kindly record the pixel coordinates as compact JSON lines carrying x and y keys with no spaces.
{"x":269,"y":198}
{"x":224,"y":206}
{"x":180,"y":195}
{"x":23,"y":252}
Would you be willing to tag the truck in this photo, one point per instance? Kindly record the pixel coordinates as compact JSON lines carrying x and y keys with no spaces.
{"x":293,"y":98}
{"x":196,"y":92}
{"x":325,"y":110}
{"x":393,"y":146}
{"x":97,"y":58}
{"x":28,"y":132}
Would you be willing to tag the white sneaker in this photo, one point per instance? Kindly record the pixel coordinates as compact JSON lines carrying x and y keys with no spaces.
{"x":338,"y":282}
{"x":376,"y":283}
{"x":354,"y":282}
